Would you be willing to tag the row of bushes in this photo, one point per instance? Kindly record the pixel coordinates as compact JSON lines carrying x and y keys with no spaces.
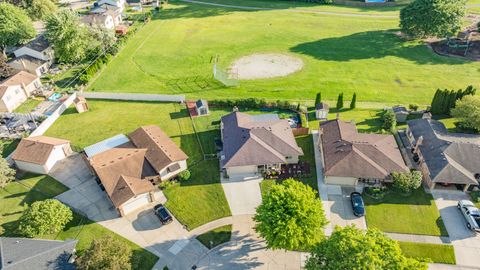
{"x":255,"y":103}
{"x":91,"y":70}
{"x":444,"y":100}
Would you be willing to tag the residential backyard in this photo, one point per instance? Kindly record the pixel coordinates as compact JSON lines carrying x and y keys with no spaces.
{"x":413,"y":214}
{"x":358,"y":54}
{"x":193,"y":202}
{"x":17,"y":195}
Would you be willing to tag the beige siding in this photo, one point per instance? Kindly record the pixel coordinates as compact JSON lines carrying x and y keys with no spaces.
{"x":30,"y":167}
{"x":344,"y":181}
{"x":13,"y":97}
{"x":165,"y":174}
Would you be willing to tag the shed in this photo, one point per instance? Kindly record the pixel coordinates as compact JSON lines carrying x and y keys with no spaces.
{"x":39,"y":154}
{"x":201,"y":106}
{"x":321,"y":111}
{"x":401,"y":113}
{"x":80,"y":104}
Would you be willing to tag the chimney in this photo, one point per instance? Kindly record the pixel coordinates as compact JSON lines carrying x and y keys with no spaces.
{"x":419,"y":141}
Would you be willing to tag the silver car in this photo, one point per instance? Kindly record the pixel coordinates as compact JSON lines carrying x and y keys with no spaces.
{"x":471,"y":214}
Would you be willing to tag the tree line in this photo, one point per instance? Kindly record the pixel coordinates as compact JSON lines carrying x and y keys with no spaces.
{"x":444,"y":100}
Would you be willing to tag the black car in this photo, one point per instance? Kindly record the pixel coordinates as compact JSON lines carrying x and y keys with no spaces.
{"x":162,"y":214}
{"x":357,"y":204}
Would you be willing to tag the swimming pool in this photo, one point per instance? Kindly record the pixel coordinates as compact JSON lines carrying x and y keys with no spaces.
{"x":55,"y":97}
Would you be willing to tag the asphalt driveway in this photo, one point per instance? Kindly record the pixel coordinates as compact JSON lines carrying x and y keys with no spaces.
{"x":466,"y":243}
{"x":85,"y":195}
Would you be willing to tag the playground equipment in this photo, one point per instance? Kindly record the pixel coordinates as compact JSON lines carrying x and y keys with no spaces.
{"x":459,"y":44}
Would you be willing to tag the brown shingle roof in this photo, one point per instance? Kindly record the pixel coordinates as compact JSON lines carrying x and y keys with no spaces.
{"x":348,"y":153}
{"x":161,"y":149}
{"x":19,"y":78}
{"x":248,"y":140}
{"x":120,"y":171}
{"x":36,"y":149}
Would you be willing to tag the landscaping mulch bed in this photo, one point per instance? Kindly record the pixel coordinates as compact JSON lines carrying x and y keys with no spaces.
{"x":441,"y":47}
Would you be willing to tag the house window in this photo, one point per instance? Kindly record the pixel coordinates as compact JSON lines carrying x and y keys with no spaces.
{"x":7,"y":97}
{"x":288,"y":157}
{"x":16,"y":91}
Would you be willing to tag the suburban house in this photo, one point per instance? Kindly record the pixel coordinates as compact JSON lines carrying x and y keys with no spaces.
{"x":349,"y":157}
{"x":40,"y":153}
{"x":39,"y":254}
{"x":11,"y":97}
{"x":253,"y":144}
{"x":120,"y":4}
{"x":321,"y":111}
{"x":30,"y":64}
{"x":444,"y":158}
{"x":38,"y":48}
{"x":129,"y":167}
{"x":105,"y":16}
{"x":163,"y":154}
{"x":27,"y":81}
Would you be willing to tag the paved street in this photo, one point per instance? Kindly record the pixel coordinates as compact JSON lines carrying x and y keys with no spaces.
{"x":466,"y":243}
{"x":248,"y":251}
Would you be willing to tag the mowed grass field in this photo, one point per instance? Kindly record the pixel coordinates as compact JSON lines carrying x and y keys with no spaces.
{"x":348,"y":53}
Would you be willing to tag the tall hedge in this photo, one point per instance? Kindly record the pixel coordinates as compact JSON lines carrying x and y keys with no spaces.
{"x":444,"y":100}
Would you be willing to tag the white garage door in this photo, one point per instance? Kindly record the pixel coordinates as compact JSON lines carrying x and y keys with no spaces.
{"x":135,"y":203}
{"x":343,"y":181}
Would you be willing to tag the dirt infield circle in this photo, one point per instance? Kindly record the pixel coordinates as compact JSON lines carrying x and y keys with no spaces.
{"x":262,"y":66}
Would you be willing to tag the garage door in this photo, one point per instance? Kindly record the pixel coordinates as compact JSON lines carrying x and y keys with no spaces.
{"x":343,"y":181}
{"x":135,"y":203}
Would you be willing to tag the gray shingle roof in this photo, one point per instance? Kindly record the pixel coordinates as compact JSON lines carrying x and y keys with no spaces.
{"x":450,"y":157}
{"x":256,"y":140}
{"x":38,"y":254}
{"x":39,"y":44}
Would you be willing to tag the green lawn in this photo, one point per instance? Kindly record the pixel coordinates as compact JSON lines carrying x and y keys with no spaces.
{"x":28,"y":105}
{"x":200,"y":199}
{"x":216,"y":236}
{"x":437,"y":253}
{"x":172,"y":54}
{"x":8,"y":147}
{"x":195,"y":202}
{"x":16,"y":197}
{"x":414,"y":214}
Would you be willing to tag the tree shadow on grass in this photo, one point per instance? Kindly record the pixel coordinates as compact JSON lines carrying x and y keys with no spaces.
{"x":370,"y":45}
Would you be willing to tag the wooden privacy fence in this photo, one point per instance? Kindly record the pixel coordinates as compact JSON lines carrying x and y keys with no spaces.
{"x":300,"y":131}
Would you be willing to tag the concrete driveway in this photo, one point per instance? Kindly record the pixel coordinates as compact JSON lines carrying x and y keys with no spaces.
{"x":85,"y":195}
{"x":243,"y":196}
{"x":341,"y":212}
{"x":466,"y":243}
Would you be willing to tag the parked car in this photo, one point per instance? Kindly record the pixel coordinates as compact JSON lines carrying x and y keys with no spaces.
{"x":162,"y":214}
{"x":471,"y":214}
{"x":357,"y":204}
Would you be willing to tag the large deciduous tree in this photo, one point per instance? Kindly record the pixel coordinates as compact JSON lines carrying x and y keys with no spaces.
{"x":106,"y":253}
{"x":5,"y":69}
{"x":102,"y":40}
{"x":432,"y":18}
{"x":291,"y":216}
{"x":7,"y":174}
{"x":354,"y":249}
{"x":40,"y":9}
{"x":467,"y":111}
{"x":44,"y":217}
{"x":15,"y":26}
{"x":69,"y":38}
